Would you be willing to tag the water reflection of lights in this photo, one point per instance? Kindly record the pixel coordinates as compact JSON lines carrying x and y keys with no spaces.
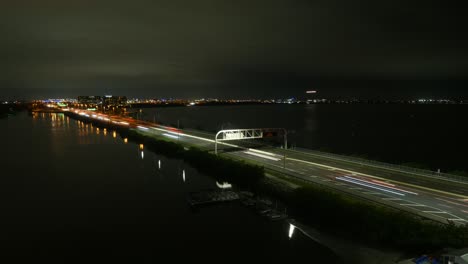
{"x":142,"y":154}
{"x":291,"y":230}
{"x":159,"y":164}
{"x":125,"y":140}
{"x":183,"y":175}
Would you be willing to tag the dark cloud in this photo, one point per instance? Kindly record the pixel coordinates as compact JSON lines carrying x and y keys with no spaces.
{"x":232,"y":48}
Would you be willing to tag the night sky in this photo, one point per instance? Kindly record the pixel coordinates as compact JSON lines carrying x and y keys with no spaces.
{"x":241,"y":49}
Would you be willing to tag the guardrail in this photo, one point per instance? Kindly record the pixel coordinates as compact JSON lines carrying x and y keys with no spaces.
{"x":388,"y":166}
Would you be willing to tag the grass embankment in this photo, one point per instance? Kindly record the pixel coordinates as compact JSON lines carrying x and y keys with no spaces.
{"x":323,"y":209}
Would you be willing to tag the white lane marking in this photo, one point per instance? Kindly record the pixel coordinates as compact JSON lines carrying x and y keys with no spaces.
{"x":392,"y":199}
{"x":457,"y":219}
{"x":414,"y":204}
{"x":435,"y":212}
{"x":261,"y":155}
{"x":445,"y":205}
{"x":371,"y":192}
{"x":356,"y":188}
{"x":450,"y":202}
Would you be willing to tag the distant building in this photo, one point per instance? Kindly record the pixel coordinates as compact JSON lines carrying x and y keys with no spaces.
{"x":114,"y":101}
{"x":90,"y":100}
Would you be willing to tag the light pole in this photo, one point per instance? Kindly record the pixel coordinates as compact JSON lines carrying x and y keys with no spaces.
{"x":284,"y":159}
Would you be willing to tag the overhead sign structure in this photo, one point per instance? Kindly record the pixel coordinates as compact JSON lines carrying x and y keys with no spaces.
{"x":240,"y":134}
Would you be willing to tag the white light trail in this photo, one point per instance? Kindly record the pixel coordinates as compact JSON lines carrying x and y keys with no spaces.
{"x":262,"y":152}
{"x":261,"y":155}
{"x":170,"y":135}
{"x":367,"y":185}
{"x":381,"y":185}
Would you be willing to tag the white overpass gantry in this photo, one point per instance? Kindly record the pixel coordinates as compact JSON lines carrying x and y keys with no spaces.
{"x":249,"y":133}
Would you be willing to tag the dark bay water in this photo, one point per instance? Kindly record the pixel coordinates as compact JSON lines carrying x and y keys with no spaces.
{"x":70,"y":192}
{"x":430,"y":135}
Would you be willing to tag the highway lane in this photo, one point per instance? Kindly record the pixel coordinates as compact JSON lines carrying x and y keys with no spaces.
{"x":439,"y":201}
{"x":438,"y":207}
{"x":442,"y":208}
{"x":454,"y":187}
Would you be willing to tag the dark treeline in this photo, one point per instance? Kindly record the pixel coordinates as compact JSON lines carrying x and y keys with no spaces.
{"x":323,"y":209}
{"x":9,"y":109}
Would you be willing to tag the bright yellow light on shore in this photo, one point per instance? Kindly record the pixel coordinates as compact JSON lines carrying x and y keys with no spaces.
{"x":142,"y":146}
{"x":114,"y":134}
{"x":125,"y":140}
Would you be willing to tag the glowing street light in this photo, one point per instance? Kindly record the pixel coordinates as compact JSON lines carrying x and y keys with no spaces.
{"x":291,"y":230}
